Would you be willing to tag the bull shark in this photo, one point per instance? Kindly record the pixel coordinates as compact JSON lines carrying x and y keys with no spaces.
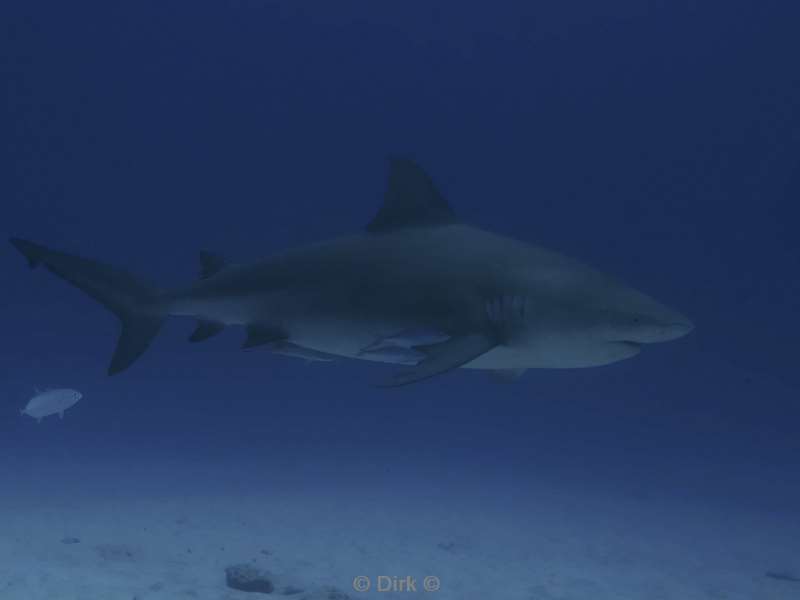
{"x":418,"y":288}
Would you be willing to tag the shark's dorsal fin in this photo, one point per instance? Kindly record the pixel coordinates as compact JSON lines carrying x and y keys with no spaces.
{"x":411,"y":200}
{"x":211,"y":264}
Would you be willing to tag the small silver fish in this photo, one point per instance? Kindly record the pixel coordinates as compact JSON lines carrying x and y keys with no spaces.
{"x":408,"y":338}
{"x":394,"y":354}
{"x":50,"y":402}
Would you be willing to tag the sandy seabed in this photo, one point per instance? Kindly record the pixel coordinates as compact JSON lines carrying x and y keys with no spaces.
{"x":167,"y":530}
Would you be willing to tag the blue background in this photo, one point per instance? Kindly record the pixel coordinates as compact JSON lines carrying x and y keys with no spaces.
{"x":657,"y":141}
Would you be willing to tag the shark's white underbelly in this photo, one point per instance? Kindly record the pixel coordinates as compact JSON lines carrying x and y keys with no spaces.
{"x":551,"y":352}
{"x":347,"y":335}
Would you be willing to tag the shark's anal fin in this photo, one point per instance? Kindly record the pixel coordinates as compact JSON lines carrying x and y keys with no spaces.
{"x":205,"y":330}
{"x":259,"y":335}
{"x":211,"y":264}
{"x":411,"y":200}
{"x":444,"y":357}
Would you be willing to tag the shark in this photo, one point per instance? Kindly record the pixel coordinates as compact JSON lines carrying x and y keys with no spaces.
{"x":417,"y":287}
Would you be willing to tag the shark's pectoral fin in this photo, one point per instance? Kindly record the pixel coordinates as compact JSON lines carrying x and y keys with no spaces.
{"x":205,"y":330}
{"x":258,"y":335}
{"x":443,"y":357}
{"x":506,"y":375}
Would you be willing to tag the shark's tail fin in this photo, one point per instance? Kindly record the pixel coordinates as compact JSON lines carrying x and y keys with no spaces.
{"x":132,"y":301}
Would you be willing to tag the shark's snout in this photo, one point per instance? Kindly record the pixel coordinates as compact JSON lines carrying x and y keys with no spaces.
{"x":647,"y":323}
{"x":651,"y":332}
{"x":678,"y":329}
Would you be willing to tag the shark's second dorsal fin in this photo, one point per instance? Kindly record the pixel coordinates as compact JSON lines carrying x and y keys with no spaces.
{"x":211,"y":264}
{"x":411,"y":200}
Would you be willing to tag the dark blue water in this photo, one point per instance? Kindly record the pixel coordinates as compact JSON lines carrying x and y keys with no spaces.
{"x":657,"y":141}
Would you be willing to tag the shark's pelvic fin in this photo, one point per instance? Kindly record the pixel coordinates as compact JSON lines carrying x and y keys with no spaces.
{"x":211,"y":264}
{"x":411,"y":200}
{"x":444,"y":357}
{"x":132,"y":301}
{"x":258,"y":335}
{"x":205,"y":330}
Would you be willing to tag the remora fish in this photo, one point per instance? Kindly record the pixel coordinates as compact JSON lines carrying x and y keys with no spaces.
{"x":496,"y":303}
